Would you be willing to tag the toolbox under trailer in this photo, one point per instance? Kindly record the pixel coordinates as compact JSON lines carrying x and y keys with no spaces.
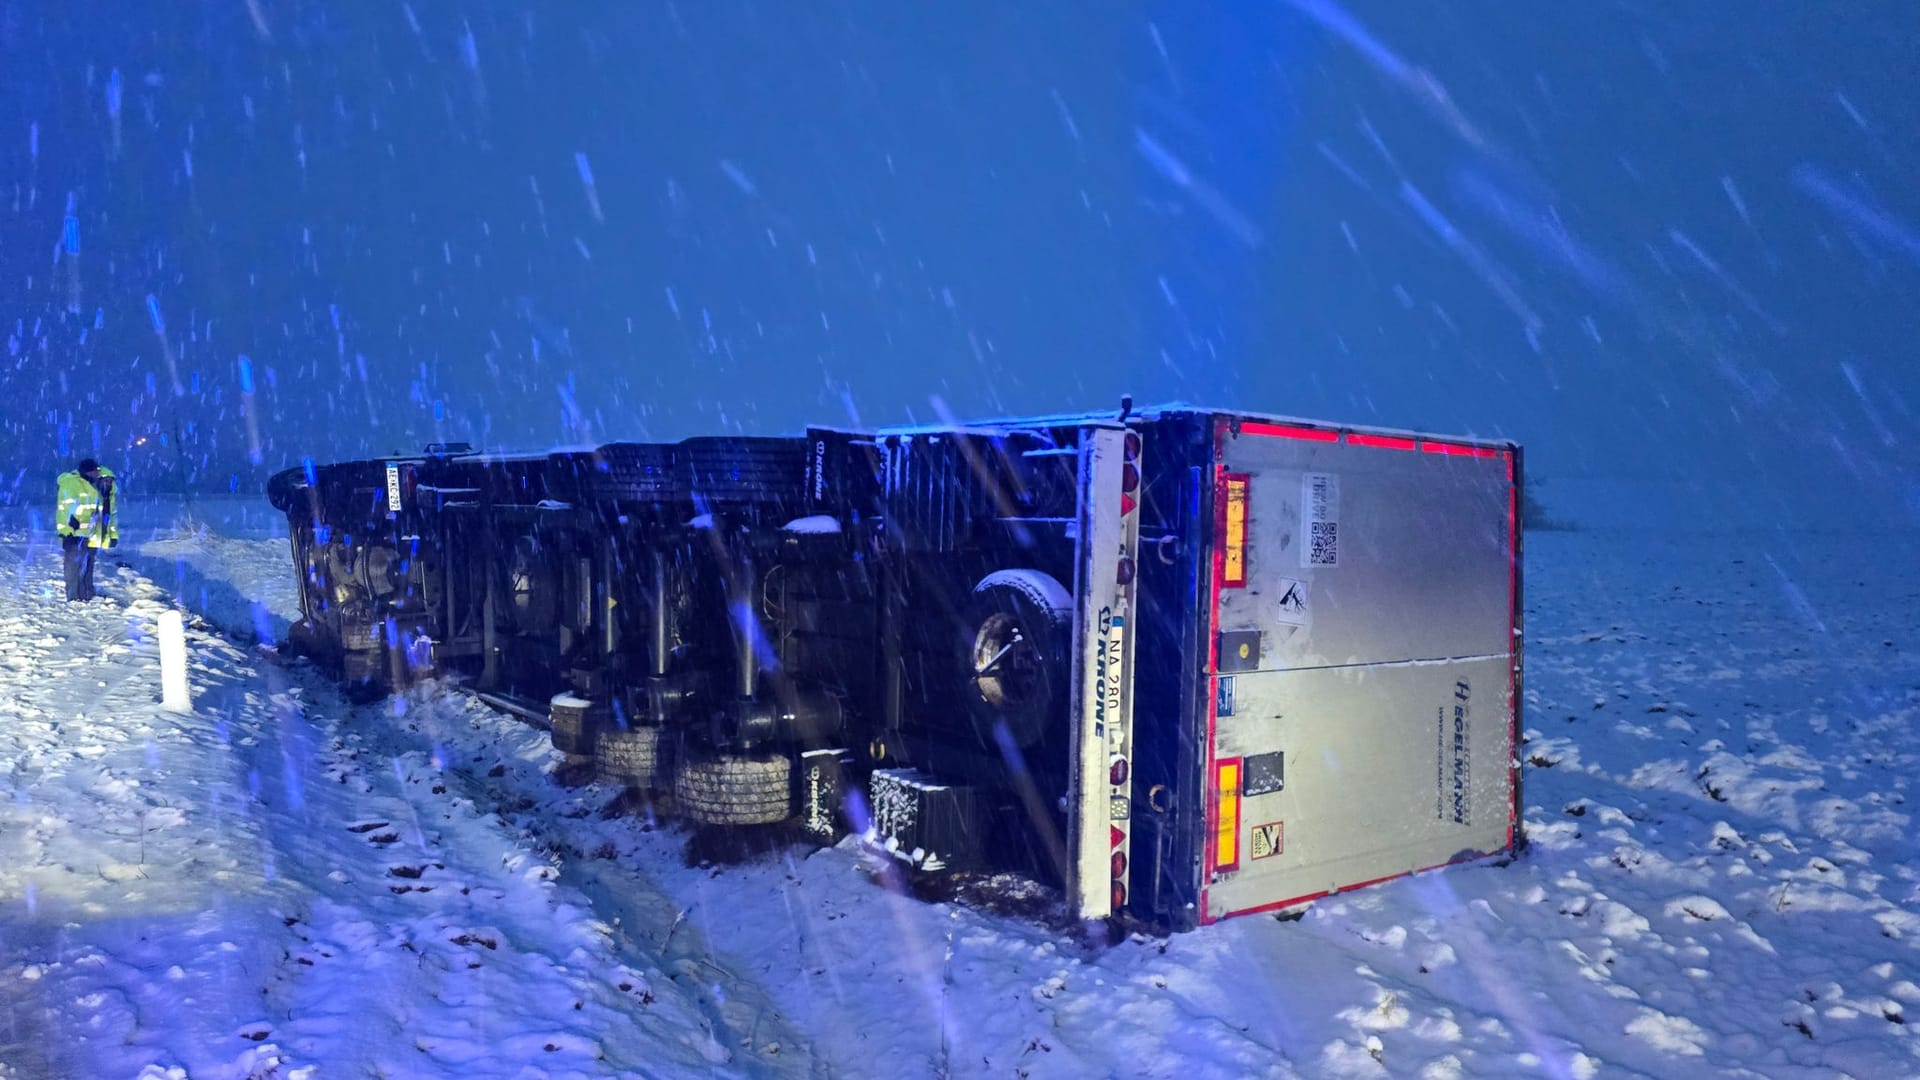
{"x":1183,"y":663}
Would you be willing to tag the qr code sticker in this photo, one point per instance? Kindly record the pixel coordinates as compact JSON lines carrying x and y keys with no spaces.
{"x":1320,"y":513}
{"x":1325,"y":538}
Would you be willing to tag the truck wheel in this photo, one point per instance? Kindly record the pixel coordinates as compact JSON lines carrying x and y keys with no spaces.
{"x":636,"y":472}
{"x":575,"y":724}
{"x":737,"y":470}
{"x":634,"y":757}
{"x":733,"y":790}
{"x":1016,"y":655}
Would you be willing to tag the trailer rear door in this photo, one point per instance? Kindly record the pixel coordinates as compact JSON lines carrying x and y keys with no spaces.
{"x":1364,"y":661}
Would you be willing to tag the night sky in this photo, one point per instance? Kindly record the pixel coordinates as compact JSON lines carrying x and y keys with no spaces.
{"x":1650,"y":241}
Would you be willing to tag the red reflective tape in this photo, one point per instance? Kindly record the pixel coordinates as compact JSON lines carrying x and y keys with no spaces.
{"x":1275,"y":905}
{"x":1288,"y":431}
{"x":1376,"y":881}
{"x":1383,"y":442}
{"x":1457,"y":450}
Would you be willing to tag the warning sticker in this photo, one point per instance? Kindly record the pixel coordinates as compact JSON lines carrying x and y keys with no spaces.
{"x":1293,"y":602}
{"x":1269,"y":839}
{"x":1320,"y":520}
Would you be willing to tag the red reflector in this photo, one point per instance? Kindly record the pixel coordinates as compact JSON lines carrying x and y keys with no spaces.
{"x":1288,"y":431}
{"x":1127,"y":504}
{"x":1384,"y":442}
{"x":1456,"y":450}
{"x":1114,"y":836}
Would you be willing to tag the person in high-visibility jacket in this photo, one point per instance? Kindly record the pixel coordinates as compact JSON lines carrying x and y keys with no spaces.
{"x":87,"y":523}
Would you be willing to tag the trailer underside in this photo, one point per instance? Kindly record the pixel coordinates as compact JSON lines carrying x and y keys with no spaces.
{"x":992,"y":647}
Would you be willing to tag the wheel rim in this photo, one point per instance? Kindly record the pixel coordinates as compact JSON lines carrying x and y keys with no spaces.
{"x":1008,"y":668}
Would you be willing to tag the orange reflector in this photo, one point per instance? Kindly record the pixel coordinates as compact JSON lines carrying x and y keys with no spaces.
{"x":1226,"y":820}
{"x":1288,"y":431}
{"x":1383,"y":442}
{"x":1233,"y":541}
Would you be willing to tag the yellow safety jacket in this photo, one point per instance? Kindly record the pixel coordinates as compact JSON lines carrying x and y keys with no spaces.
{"x":97,"y":516}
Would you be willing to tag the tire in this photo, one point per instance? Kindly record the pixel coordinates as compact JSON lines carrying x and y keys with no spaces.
{"x":636,"y":473}
{"x":575,"y":725}
{"x":635,"y":757}
{"x":1017,"y":667}
{"x":745,"y":470}
{"x":731,"y":790}
{"x":284,"y":488}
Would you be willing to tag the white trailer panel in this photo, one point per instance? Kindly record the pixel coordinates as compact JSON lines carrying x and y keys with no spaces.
{"x":1365,"y":661}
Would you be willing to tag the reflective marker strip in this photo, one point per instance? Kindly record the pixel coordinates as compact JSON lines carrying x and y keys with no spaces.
{"x":1288,"y":431}
{"x":1233,"y":569}
{"x":1456,"y":450}
{"x":1383,"y":442}
{"x":1226,"y":793}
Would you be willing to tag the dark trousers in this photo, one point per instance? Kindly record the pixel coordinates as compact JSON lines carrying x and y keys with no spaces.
{"x":79,"y":559}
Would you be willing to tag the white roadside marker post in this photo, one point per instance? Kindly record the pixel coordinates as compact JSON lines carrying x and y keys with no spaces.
{"x":174,"y":695}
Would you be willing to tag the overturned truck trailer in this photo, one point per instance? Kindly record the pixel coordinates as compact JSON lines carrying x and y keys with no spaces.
{"x":1183,"y":663}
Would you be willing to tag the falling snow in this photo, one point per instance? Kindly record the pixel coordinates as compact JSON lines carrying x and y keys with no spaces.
{"x":1676,"y":256}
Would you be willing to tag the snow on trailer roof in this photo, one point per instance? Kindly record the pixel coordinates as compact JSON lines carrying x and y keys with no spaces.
{"x":1108,"y":418}
{"x":1112,"y":417}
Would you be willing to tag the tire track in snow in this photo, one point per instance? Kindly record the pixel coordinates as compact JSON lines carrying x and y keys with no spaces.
{"x":478,"y":957}
{"x":646,"y":925}
{"x":738,"y":1012}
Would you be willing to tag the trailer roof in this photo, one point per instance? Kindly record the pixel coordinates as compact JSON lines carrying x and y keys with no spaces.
{"x":1108,"y":418}
{"x":1112,"y":416}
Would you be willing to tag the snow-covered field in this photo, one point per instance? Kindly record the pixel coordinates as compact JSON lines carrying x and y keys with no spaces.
{"x":1721,"y":735}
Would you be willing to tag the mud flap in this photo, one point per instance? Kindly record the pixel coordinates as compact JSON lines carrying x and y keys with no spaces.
{"x":930,"y":825}
{"x":823,"y":795}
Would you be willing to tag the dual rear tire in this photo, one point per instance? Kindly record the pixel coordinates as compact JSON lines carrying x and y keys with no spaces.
{"x":735,"y":790}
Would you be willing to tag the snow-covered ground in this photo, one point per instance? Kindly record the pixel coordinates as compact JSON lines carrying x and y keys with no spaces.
{"x":1721,"y":735}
